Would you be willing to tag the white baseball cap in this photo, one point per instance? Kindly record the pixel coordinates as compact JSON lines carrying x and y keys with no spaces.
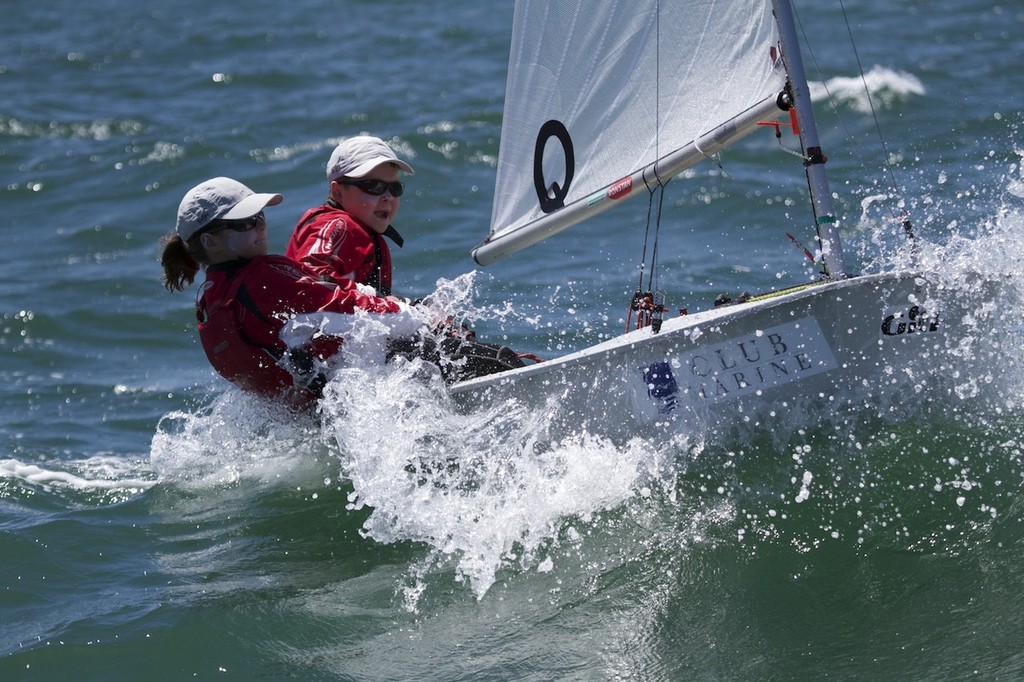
{"x":357,"y":156}
{"x":219,"y":199}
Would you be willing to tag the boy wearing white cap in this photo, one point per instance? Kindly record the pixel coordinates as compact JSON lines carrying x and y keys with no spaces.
{"x":342,"y":240}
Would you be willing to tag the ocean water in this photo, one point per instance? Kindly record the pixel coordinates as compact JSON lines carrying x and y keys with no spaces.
{"x":156,"y":524}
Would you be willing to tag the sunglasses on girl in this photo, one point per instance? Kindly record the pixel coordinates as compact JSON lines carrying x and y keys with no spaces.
{"x":376,"y":187}
{"x":243,"y":225}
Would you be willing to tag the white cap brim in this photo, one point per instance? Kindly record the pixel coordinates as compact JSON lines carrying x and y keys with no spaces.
{"x":251,"y":205}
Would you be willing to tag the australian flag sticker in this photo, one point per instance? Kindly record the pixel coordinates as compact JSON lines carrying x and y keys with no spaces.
{"x":662,"y":388}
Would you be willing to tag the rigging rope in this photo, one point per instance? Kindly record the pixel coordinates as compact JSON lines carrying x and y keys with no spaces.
{"x":650,"y":306}
{"x":907,"y":226}
{"x":894,"y":188}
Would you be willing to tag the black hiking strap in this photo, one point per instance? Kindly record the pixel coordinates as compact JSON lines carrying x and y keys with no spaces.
{"x":392,"y":234}
{"x":243,"y":297}
{"x":376,"y":274}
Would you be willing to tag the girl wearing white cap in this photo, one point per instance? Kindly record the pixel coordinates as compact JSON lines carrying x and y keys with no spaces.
{"x":343,"y":239}
{"x":248,"y":295}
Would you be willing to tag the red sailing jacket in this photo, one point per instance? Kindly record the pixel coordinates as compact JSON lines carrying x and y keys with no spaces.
{"x":244,"y":304}
{"x":332,"y":244}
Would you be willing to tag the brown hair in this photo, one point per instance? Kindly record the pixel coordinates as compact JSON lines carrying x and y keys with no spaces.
{"x":181,"y":260}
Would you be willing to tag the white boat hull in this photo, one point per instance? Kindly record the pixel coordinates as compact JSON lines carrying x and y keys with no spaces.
{"x":866,"y":340}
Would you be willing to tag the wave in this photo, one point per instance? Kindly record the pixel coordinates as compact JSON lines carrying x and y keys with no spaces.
{"x":97,"y":480}
{"x":513,"y":489}
{"x":880,"y":86}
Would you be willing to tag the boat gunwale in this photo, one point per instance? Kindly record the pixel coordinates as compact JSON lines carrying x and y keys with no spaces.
{"x":675,"y":325}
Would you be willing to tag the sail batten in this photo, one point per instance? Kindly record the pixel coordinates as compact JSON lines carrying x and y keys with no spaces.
{"x":605,"y":96}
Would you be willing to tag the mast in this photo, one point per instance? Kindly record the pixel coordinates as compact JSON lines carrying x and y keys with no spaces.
{"x":814,"y":162}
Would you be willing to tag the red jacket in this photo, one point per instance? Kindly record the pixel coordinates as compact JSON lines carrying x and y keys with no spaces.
{"x":334,"y":245}
{"x":244,"y":304}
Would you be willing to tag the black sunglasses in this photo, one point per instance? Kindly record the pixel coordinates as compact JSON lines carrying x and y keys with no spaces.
{"x":243,"y":225}
{"x":376,"y":187}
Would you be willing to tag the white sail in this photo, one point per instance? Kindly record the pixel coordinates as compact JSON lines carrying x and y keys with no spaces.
{"x":605,"y":97}
{"x":636,"y":91}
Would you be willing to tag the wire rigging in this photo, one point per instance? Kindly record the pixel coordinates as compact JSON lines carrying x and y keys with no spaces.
{"x":649,"y":304}
{"x":871,"y":102}
{"x":894,"y":187}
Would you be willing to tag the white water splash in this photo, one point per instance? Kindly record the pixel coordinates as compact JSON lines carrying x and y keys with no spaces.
{"x":485,"y":490}
{"x":236,"y":438}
